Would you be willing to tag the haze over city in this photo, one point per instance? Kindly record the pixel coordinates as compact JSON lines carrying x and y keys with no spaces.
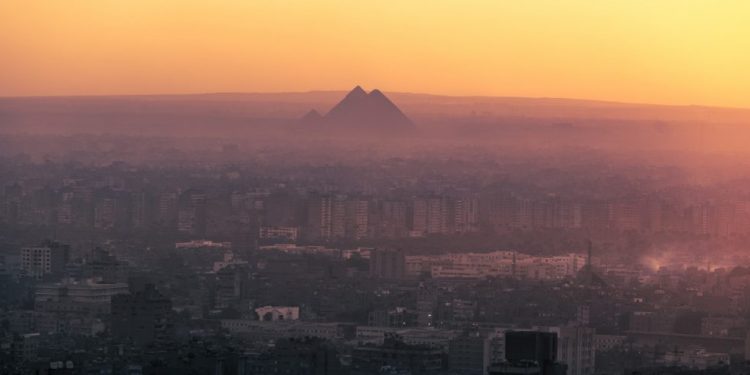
{"x":413,"y":187}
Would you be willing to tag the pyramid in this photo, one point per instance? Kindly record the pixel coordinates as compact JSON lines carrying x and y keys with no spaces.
{"x":312,"y":117}
{"x":362,"y":111}
{"x":354,"y":104}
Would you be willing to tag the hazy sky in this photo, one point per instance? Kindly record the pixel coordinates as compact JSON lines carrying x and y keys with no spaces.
{"x":663,"y":51}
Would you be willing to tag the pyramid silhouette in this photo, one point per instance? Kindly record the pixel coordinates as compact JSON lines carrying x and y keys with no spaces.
{"x":312,"y":117}
{"x":363,"y":111}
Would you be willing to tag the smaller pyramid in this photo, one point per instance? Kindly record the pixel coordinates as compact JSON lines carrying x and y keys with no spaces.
{"x":312,"y":117}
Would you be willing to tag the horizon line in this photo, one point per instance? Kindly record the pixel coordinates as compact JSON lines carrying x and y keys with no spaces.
{"x":344,"y":91}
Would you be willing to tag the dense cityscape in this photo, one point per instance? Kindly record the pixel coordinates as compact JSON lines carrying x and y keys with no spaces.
{"x":337,"y":187}
{"x":411,"y":265}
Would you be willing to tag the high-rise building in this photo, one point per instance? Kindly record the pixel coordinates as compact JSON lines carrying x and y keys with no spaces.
{"x":397,"y":355}
{"x":523,"y":216}
{"x":338,"y":222}
{"x":427,"y":299}
{"x":167,"y":209}
{"x":387,"y":264}
{"x":11,"y":208}
{"x":566,"y":215}
{"x":143,"y":209}
{"x":192,"y":215}
{"x":625,"y":216}
{"x":357,"y":217}
{"x":393,"y":222}
{"x":571,"y":346}
{"x":280,"y":209}
{"x":47,"y":260}
{"x":576,"y":348}
{"x":419,"y":216}
{"x":104,"y":210}
{"x":533,"y":346}
{"x":320,"y":217}
{"x":65,"y":207}
{"x":431,"y":216}
{"x":230,"y":283}
{"x":529,"y":352}
{"x":308,"y":355}
{"x":104,"y":266}
{"x":438,"y":216}
{"x":144,"y":316}
{"x":469,"y":353}
{"x":337,"y":217}
{"x":499,"y":210}
{"x":466,"y":215}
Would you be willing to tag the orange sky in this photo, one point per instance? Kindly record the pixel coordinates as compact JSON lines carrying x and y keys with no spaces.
{"x":665,"y":51}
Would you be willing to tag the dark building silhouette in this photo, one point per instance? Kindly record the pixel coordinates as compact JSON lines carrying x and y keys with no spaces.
{"x":530,"y":346}
{"x":387,"y":264}
{"x":398,"y":356}
{"x":468,"y":352}
{"x":192,"y":214}
{"x":529,"y":352}
{"x":143,"y":317}
{"x":301,"y":356}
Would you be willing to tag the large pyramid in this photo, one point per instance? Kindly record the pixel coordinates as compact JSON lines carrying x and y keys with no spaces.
{"x":362,"y":111}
